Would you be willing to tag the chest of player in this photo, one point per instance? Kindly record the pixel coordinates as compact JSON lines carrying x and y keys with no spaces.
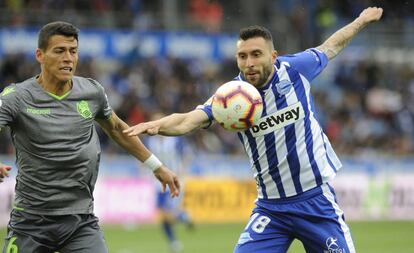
{"x":285,"y":103}
{"x":48,"y":119}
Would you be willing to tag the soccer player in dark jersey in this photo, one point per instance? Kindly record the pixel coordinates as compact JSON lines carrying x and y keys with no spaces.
{"x":51,"y":117}
{"x":292,"y":159}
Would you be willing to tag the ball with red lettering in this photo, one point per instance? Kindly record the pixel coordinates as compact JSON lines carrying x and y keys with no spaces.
{"x":237,"y":105}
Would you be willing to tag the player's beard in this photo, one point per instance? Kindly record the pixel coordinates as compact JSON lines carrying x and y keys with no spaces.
{"x":264,"y":77}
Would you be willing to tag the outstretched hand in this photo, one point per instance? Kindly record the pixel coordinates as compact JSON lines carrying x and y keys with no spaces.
{"x":150,"y":128}
{"x":371,"y":14}
{"x":167,"y":177}
{"x":4,"y":171}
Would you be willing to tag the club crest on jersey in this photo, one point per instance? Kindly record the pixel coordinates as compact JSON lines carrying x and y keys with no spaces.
{"x":83,"y":109}
{"x":278,"y":120}
{"x":283,"y":86}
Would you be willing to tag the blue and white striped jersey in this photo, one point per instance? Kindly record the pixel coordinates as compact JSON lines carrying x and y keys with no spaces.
{"x":288,"y":151}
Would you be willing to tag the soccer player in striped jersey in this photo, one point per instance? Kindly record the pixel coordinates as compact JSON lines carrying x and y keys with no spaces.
{"x":293,"y":160}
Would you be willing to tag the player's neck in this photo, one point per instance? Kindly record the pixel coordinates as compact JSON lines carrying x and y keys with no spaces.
{"x":53,"y":86}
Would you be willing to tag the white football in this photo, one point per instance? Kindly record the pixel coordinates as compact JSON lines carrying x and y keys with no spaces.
{"x":237,"y":105}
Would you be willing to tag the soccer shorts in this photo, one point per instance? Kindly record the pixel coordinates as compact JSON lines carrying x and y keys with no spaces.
{"x":29,"y":233}
{"x":312,"y":217}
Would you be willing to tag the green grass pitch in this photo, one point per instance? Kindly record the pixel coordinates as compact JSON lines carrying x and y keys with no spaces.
{"x":369,"y":237}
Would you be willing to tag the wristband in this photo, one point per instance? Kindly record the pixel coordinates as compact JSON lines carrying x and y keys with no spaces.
{"x":153,"y":162}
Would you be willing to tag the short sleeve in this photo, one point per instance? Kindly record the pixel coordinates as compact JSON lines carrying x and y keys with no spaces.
{"x":9,"y":105}
{"x":309,"y":63}
{"x":206,"y":107}
{"x":104,"y":109}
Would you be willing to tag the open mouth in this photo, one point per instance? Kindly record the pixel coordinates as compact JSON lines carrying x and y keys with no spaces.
{"x":66,"y":69}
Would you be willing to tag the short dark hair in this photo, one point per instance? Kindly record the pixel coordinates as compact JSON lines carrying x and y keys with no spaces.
{"x":255,"y":31}
{"x":56,"y":28}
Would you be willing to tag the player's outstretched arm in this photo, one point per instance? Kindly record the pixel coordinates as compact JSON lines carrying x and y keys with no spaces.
{"x":341,"y":38}
{"x":4,"y":171}
{"x":171,"y":125}
{"x":114,"y":126}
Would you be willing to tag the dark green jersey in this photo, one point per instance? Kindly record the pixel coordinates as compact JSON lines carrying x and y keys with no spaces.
{"x":57,"y":147}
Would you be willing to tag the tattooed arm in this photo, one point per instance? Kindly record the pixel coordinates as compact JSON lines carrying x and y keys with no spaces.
{"x":341,"y":38}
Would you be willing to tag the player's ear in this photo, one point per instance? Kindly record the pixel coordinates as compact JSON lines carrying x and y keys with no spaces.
{"x":274,"y":56}
{"x":39,"y":55}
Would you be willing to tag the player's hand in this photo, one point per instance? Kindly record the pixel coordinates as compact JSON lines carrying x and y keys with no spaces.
{"x":150,"y":128}
{"x":370,"y":14}
{"x":4,"y":171}
{"x":167,"y":177}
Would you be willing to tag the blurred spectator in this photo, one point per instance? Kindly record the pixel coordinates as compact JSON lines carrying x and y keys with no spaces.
{"x":207,"y":14}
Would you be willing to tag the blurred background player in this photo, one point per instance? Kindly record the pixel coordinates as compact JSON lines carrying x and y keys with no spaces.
{"x":175,"y":153}
{"x":292,"y":161}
